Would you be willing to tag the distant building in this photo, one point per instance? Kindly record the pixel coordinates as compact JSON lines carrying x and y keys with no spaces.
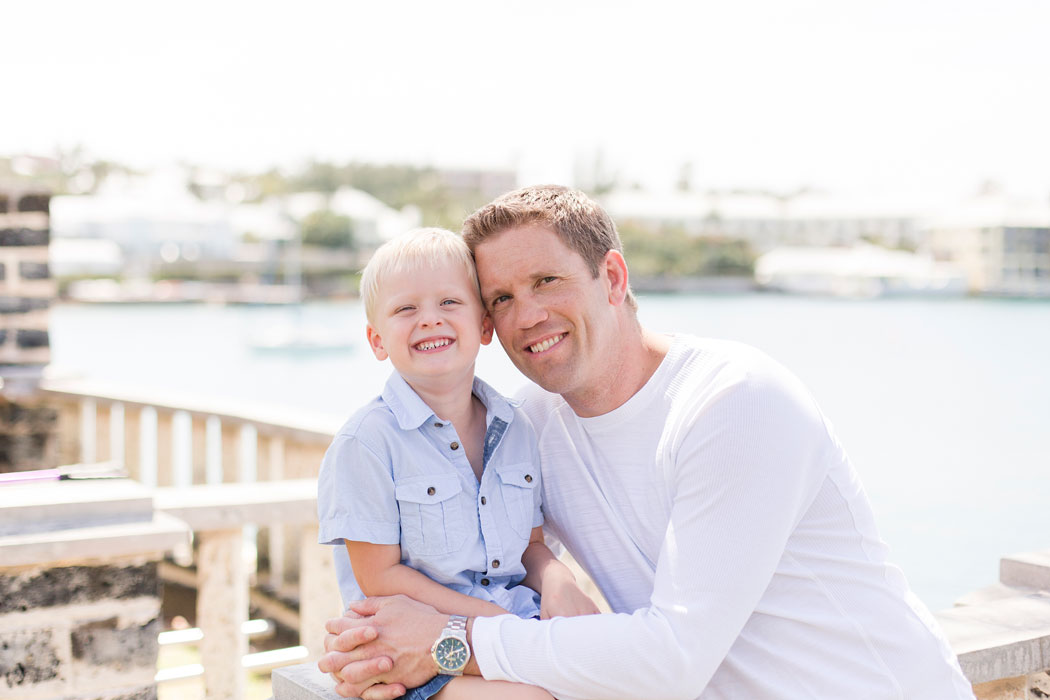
{"x":1003,"y":244}
{"x":466,"y":182}
{"x":767,"y":222}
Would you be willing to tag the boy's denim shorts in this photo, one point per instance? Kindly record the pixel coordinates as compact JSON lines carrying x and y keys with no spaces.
{"x":428,"y":689}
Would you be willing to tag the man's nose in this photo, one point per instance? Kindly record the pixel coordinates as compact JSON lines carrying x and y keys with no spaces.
{"x":528,"y":312}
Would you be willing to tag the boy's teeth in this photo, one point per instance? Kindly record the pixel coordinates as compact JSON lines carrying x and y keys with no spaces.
{"x":546,"y":344}
{"x":431,"y":344}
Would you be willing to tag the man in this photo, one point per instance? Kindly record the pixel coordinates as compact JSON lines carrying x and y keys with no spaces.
{"x":695,"y":480}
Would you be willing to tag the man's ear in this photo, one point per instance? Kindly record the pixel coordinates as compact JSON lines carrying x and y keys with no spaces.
{"x":615,"y":268}
{"x":486,"y":329}
{"x":375,"y":342}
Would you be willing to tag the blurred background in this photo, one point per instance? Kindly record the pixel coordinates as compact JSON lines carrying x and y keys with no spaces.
{"x":862,"y":190}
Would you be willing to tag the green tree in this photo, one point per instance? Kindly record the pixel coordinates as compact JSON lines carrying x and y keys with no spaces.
{"x":327,"y":229}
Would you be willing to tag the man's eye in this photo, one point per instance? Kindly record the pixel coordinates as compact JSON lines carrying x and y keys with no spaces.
{"x":548,"y":280}
{"x":499,"y":300}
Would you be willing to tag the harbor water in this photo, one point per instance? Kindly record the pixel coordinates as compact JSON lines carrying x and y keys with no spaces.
{"x":943,"y":405}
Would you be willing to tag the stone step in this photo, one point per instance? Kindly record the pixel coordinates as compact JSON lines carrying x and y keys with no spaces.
{"x":1026,"y":570}
{"x":1004,"y":638}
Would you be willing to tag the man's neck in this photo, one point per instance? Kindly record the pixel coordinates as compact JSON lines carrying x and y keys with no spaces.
{"x":639,"y":355}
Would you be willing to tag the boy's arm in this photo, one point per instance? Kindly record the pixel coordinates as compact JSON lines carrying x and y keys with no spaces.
{"x":379,"y":571}
{"x":560,"y":596}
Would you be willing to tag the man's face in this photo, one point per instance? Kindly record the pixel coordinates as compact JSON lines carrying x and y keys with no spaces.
{"x":553,"y":318}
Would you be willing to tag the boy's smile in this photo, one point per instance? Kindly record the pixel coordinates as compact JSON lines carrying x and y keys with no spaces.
{"x":430,"y":323}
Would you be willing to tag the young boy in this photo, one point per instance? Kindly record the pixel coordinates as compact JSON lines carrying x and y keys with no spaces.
{"x":434,"y":486}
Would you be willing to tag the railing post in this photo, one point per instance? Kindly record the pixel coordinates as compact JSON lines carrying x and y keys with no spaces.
{"x":181,"y":449}
{"x":277,"y":530}
{"x":165,"y":449}
{"x":318,"y":591}
{"x":222,"y":607}
{"x":88,"y":419}
{"x":148,"y":446}
{"x":213,"y":452}
{"x":116,"y":434}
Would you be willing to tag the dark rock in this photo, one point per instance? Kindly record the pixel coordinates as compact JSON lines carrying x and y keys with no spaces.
{"x":76,"y":584}
{"x":34,"y":270}
{"x":103,"y":643}
{"x":27,"y":657}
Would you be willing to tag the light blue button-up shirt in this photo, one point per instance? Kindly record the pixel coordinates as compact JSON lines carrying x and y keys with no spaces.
{"x":396,"y":473}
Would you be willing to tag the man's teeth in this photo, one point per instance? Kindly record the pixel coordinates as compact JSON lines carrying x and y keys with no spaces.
{"x":546,"y":344}
{"x":431,"y":344}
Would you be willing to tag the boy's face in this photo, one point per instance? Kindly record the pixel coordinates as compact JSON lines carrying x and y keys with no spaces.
{"x":430,"y":323}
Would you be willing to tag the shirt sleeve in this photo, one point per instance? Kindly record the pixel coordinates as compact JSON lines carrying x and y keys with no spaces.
{"x":355,"y":495}
{"x":749,"y":464}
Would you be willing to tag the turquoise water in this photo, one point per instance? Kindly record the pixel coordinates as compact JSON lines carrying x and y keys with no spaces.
{"x":944,"y":405}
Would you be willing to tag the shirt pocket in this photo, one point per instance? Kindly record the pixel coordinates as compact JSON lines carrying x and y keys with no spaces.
{"x":517,"y":486}
{"x":431,"y":514}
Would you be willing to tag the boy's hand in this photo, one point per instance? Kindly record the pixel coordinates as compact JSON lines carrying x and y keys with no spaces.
{"x":562,"y":597}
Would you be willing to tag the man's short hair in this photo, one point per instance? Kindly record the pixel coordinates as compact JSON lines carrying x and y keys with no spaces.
{"x":421,"y":248}
{"x":578,"y":220}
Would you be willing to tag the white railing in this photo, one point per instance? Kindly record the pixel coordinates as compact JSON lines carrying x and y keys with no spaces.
{"x":244,"y":480}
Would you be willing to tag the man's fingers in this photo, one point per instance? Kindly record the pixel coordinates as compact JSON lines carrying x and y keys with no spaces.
{"x":382,"y":691}
{"x":366,"y":607}
{"x":349,"y":639}
{"x":336,"y":625}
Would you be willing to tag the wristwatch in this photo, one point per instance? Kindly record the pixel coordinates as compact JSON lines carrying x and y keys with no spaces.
{"x":451,"y":651}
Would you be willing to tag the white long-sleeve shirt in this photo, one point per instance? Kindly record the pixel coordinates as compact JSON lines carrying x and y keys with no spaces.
{"x":727,"y":529}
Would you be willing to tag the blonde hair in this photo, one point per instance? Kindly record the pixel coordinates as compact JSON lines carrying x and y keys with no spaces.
{"x":417,"y":249}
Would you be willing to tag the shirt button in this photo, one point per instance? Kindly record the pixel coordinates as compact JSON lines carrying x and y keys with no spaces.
{"x":484,"y":582}
{"x":439,"y":425}
{"x":528,"y":478}
{"x":483,"y":500}
{"x":495,"y":563}
{"x":431,"y":491}
{"x":454,"y":446}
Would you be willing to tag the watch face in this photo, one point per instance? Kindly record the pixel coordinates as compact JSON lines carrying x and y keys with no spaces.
{"x":451,"y":654}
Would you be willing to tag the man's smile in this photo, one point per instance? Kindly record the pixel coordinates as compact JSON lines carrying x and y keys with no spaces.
{"x":546,"y":344}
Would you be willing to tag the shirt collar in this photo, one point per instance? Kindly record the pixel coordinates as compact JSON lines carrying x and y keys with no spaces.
{"x":411,"y":411}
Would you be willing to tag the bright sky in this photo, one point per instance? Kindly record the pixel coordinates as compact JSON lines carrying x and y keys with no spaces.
{"x":890,"y":96}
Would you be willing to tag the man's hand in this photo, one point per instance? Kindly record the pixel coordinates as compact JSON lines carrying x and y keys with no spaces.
{"x":381,"y":646}
{"x":562,"y":597}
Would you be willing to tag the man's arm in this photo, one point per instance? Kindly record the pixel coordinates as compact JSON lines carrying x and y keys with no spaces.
{"x":744,"y":474}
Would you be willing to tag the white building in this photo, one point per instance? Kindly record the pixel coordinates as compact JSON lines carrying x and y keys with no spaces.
{"x":1003,"y":244}
{"x":767,"y":222}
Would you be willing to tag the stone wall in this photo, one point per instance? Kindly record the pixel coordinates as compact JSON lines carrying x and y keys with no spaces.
{"x":27,"y":425}
{"x":82,"y":632}
{"x":79,"y":589}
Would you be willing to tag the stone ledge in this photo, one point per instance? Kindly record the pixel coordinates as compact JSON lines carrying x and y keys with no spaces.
{"x":1000,"y":639}
{"x":1026,"y":570}
{"x":226,"y":506}
{"x":302,"y":682}
{"x":162,"y":533}
{"x":63,"y":505}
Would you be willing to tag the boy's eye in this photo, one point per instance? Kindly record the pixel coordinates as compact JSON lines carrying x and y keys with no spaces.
{"x":403,"y":308}
{"x":450,"y":301}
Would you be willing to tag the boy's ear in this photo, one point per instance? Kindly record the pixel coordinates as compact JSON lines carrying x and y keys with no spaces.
{"x":375,"y":342}
{"x":486,"y":329}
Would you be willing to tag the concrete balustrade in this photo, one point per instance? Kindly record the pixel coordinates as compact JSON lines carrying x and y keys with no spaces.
{"x":248,"y":469}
